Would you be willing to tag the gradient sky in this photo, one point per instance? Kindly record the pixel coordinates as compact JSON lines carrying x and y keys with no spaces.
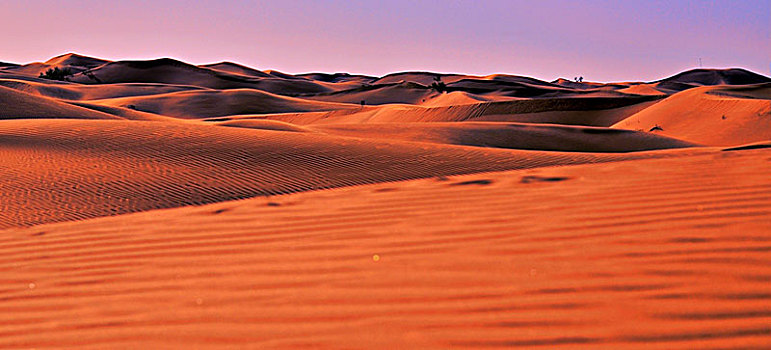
{"x":602,"y":40}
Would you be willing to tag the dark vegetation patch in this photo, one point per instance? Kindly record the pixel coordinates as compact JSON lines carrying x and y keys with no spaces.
{"x":56,"y":74}
{"x":473,"y":182}
{"x":747,"y":147}
{"x":532,"y":178}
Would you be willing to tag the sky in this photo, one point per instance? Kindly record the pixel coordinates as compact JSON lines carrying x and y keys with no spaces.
{"x":601,"y":40}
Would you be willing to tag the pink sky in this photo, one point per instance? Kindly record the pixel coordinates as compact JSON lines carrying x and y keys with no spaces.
{"x":601,"y":40}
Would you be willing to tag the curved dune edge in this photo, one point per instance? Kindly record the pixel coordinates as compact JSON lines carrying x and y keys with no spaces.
{"x":20,"y":105}
{"x":710,"y":115}
{"x":664,"y":254}
{"x":76,"y":169}
{"x":545,"y":137}
{"x":569,"y":111}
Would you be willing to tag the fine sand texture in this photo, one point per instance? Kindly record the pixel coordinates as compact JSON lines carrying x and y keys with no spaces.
{"x":159,"y":204}
{"x":657,"y":254}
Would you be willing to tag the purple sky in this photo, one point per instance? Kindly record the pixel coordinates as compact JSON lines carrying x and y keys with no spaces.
{"x":602,"y":40}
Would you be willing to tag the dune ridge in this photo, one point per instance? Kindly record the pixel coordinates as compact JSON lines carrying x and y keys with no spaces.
{"x":718,"y":116}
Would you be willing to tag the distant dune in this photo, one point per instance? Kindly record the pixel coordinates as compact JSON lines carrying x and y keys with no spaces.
{"x":721,"y":115}
{"x":511,"y":135}
{"x":162,"y":204}
{"x":20,"y":105}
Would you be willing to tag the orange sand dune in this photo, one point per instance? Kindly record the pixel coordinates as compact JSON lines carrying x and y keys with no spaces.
{"x":720,"y":115}
{"x":648,"y":254}
{"x":216,"y":103}
{"x":160,"y":204}
{"x":453,"y":98}
{"x":76,"y":169}
{"x":74,"y":62}
{"x":236,"y":68}
{"x":591,"y":111}
{"x":510,"y":135}
{"x":422,"y":78}
{"x":404,"y":93}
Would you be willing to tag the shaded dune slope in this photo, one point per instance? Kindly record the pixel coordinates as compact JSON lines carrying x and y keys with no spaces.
{"x":510,"y":135}
{"x":216,"y":103}
{"x":169,"y":71}
{"x":57,"y":170}
{"x":73,"y":91}
{"x":680,"y":261}
{"x":17,"y":105}
{"x":591,"y":111}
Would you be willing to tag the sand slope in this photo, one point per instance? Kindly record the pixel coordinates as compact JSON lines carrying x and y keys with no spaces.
{"x":654,"y":254}
{"x":510,"y":135}
{"x":71,"y":91}
{"x":160,"y":204}
{"x":720,"y":115}
{"x":591,"y":111}
{"x":16,"y":105}
{"x":58,"y":170}
{"x":216,"y":103}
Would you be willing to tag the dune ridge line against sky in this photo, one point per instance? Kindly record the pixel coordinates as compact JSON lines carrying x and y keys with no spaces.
{"x":601,"y":40}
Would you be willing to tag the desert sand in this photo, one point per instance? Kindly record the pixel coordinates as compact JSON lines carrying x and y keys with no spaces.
{"x":161,"y":204}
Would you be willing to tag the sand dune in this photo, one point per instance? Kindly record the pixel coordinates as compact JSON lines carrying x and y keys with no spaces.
{"x":422,"y":78}
{"x":720,"y":115}
{"x":217,"y":103}
{"x":69,"y":170}
{"x":73,"y":62}
{"x":169,"y":71}
{"x":16,"y":105}
{"x":161,"y":204}
{"x":71,"y":91}
{"x":453,"y":98}
{"x":401,"y":93}
{"x":679,"y":261}
{"x":338,"y":77}
{"x":730,"y":76}
{"x":590,"y":111}
{"x":236,"y":68}
{"x":510,"y":135}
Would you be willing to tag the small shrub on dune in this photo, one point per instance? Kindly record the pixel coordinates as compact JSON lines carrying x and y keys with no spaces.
{"x":56,"y":74}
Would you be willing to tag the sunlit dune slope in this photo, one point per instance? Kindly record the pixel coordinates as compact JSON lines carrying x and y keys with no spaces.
{"x":649,"y":254}
{"x":73,"y":62}
{"x":236,"y":68}
{"x":510,"y":135}
{"x":58,"y":170}
{"x":720,"y":115}
{"x":406,"y":93}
